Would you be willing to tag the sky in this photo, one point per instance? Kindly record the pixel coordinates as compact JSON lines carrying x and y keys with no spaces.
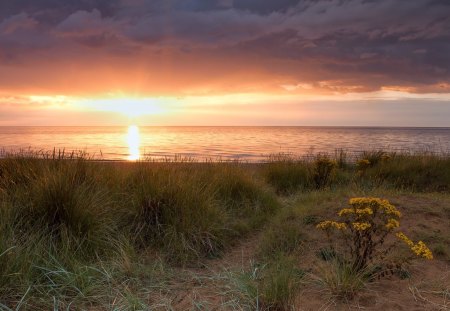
{"x":225,"y":62}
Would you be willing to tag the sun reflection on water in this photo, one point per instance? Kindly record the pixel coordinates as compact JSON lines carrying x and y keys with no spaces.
{"x":133,"y":141}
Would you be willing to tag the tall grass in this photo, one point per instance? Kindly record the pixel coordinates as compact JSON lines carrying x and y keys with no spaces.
{"x":66,"y":205}
{"x":279,"y":284}
{"x":287,"y":174}
{"x":284,"y":234}
{"x":167,"y":211}
{"x":247,"y":200}
{"x":425,"y":172}
{"x":73,"y":231}
{"x":14,"y":259}
{"x":418,"y":172}
{"x":190,"y":212}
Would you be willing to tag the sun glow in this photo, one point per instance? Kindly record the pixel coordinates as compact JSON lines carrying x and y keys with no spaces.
{"x":134,"y":143}
{"x":131,"y":107}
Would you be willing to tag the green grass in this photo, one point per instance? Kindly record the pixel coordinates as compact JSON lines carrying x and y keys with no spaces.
{"x":82,"y":234}
{"x":280,"y":281}
{"x":284,"y":235}
{"x":417,"y":172}
{"x":287,"y":174}
{"x":166,"y":212}
{"x":63,"y":217}
{"x":340,"y":280}
{"x":270,"y":286}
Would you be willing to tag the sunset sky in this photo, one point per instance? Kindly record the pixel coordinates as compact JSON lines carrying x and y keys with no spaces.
{"x":225,"y":62}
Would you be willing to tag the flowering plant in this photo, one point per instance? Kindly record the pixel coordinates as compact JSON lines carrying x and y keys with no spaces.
{"x":365,"y":226}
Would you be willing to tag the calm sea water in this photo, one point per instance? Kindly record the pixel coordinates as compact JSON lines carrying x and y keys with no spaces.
{"x":225,"y":143}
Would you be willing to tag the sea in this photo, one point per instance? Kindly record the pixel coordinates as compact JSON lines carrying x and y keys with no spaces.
{"x":251,"y":144}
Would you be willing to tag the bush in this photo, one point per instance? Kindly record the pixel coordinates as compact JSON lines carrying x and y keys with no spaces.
{"x":364,"y":229}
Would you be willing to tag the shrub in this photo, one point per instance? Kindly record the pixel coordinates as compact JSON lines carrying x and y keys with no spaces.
{"x":364,"y":228}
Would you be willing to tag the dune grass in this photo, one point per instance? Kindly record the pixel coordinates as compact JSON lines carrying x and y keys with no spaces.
{"x":417,"y":172}
{"x":66,"y":222}
{"x":76,"y":233}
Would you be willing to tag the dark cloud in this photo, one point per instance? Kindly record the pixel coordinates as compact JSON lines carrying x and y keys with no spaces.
{"x":336,"y":44}
{"x":256,"y":6}
{"x":265,"y":7}
{"x":53,"y":11}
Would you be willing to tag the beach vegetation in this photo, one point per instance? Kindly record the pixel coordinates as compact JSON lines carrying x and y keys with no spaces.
{"x":82,"y":234}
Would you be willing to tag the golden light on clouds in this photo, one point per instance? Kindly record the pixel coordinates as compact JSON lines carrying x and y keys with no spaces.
{"x":222,"y":62}
{"x":131,"y":107}
{"x":116,"y":108}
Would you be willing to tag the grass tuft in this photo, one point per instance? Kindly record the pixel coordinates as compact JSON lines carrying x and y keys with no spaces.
{"x":340,"y":279}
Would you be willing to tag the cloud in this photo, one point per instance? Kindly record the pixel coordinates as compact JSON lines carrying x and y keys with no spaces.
{"x":17,"y":23}
{"x":82,"y":23}
{"x":215,"y":46}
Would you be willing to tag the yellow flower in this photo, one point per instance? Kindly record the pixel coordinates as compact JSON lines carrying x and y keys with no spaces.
{"x":340,"y":225}
{"x":390,"y":209}
{"x":364,"y":201}
{"x":324,"y":224}
{"x":329,"y":224}
{"x":379,"y":204}
{"x":392,"y":223}
{"x":405,"y":239}
{"x":422,"y":250}
{"x":345,"y":211}
{"x":361,"y":226}
{"x":366,"y":210}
